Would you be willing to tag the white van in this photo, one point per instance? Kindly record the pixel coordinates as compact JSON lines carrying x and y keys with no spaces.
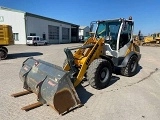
{"x":36,"y":40}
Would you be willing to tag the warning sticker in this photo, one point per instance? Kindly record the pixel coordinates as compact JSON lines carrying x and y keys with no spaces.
{"x":26,"y":68}
{"x":51,"y":83}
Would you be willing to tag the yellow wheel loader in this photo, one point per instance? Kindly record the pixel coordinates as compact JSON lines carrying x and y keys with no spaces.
{"x":6,"y":38}
{"x":112,"y":46}
{"x":153,"y":40}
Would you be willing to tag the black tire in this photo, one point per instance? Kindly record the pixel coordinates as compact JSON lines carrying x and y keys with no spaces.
{"x":131,"y":67}
{"x":3,"y":54}
{"x":45,"y":43}
{"x":99,"y":73}
{"x":5,"y":49}
{"x":35,"y":44}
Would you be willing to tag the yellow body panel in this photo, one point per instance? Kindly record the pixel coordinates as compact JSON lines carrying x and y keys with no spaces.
{"x":154,"y":38}
{"x":157,"y":38}
{"x":149,"y":39}
{"x":133,"y":47}
{"x":6,"y":35}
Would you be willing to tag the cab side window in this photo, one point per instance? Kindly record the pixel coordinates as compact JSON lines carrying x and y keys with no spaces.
{"x":34,"y":38}
{"x":41,"y":39}
{"x":125,"y":35}
{"x":113,"y":30}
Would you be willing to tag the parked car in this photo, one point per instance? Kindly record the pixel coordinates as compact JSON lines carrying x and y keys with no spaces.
{"x":83,"y":39}
{"x":36,"y":40}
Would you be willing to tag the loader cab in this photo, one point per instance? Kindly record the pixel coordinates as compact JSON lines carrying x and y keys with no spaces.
{"x":117,"y":34}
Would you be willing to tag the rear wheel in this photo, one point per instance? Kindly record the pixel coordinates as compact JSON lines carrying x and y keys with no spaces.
{"x":5,"y":49}
{"x":3,"y":54}
{"x":99,"y":73}
{"x":131,"y":67}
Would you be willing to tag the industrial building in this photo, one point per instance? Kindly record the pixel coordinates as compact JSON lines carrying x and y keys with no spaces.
{"x":27,"y":24}
{"x":83,"y":32}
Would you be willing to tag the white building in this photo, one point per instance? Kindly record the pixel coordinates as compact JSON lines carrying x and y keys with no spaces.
{"x":83,"y":32}
{"x":26,"y":24}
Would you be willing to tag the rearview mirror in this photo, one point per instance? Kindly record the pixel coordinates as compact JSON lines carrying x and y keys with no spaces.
{"x":91,"y":27}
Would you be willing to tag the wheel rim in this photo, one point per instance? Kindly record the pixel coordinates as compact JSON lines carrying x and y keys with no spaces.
{"x":104,"y":75}
{"x":133,"y":65}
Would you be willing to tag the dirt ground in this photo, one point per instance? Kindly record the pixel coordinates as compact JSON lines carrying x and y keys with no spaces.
{"x":126,"y":98}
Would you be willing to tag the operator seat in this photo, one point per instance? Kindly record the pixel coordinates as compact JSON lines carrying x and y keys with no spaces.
{"x":124,"y":39}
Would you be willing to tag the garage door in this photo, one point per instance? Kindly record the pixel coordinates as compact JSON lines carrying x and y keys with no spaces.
{"x":53,"y":34}
{"x":65,"y":35}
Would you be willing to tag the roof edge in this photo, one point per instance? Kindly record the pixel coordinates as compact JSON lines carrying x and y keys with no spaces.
{"x":38,"y":16}
{"x":47,"y":18}
{"x":10,"y":9}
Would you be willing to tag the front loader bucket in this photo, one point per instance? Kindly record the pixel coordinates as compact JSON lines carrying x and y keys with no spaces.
{"x":50,"y":83}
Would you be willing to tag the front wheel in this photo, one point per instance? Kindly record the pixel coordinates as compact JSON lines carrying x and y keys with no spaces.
{"x":131,"y":67}
{"x":99,"y":73}
{"x":3,"y":54}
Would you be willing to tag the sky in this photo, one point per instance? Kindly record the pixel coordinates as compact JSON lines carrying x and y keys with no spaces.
{"x":145,"y":13}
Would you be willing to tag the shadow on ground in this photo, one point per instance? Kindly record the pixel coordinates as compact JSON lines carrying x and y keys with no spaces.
{"x":139,"y":69}
{"x":20,"y":55}
{"x":113,"y":80}
{"x":117,"y":70}
{"x":84,"y":95}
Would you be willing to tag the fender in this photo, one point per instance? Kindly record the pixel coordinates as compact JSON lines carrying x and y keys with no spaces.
{"x":108,"y":58}
{"x":126,"y":59}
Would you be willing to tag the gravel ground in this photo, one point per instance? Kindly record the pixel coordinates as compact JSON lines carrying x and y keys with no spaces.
{"x":126,"y":98}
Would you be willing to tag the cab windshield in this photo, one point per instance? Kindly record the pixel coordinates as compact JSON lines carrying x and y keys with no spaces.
{"x":29,"y":38}
{"x":109,"y":31}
